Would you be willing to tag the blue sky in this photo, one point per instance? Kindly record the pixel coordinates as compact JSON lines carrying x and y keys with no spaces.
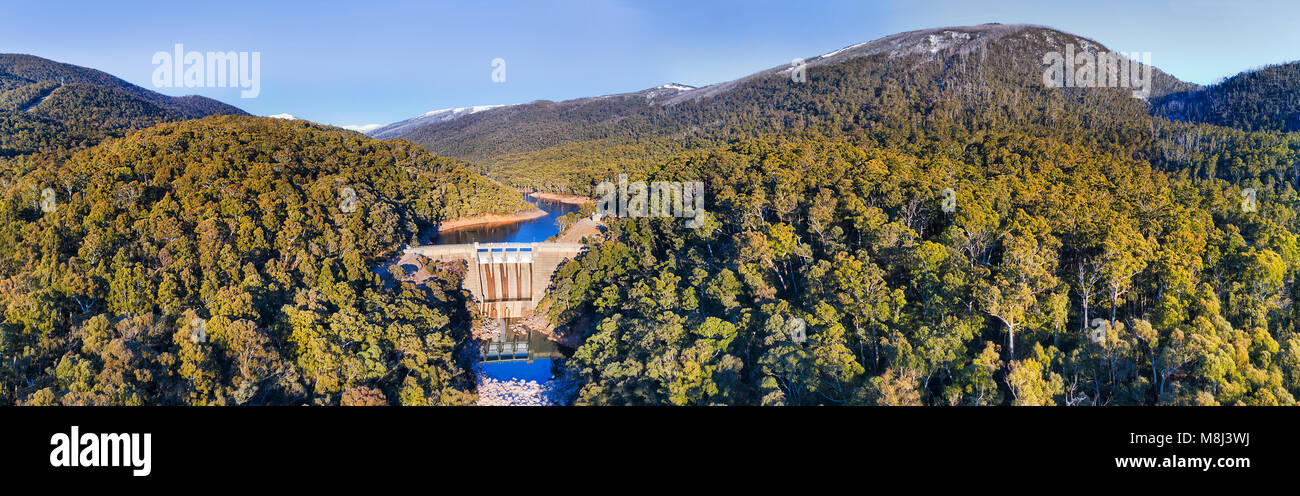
{"x":369,"y":62}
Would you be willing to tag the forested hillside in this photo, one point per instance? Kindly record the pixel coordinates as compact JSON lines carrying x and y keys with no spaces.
{"x":1099,"y":249}
{"x":268,"y":231}
{"x":905,"y":304}
{"x":53,"y":107}
{"x":975,"y":78}
{"x":1266,"y":99}
{"x":824,"y":200}
{"x":484,"y":136}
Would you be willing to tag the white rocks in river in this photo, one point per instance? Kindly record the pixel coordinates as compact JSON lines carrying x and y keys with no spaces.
{"x":519,"y":392}
{"x":519,"y":384}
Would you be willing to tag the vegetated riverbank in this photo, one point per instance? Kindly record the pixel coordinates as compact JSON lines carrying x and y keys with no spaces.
{"x":562,"y":198}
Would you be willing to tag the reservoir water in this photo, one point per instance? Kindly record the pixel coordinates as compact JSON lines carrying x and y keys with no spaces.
{"x":515,"y":381}
{"x":528,"y":231}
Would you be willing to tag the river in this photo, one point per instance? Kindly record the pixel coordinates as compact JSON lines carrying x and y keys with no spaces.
{"x":515,"y":382}
{"x":528,"y":231}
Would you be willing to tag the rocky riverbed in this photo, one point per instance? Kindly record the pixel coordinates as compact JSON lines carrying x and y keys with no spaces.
{"x":521,"y":384}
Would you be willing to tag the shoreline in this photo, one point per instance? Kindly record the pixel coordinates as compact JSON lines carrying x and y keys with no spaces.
{"x":562,"y":198}
{"x":490,"y":219}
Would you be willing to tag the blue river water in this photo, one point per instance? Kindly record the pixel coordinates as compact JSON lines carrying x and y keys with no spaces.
{"x":528,"y":231}
{"x":538,"y":371}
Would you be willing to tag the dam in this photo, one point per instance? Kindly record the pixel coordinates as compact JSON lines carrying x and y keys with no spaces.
{"x":508,"y":280}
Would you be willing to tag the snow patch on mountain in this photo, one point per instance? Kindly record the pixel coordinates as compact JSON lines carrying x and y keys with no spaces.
{"x":928,"y":42}
{"x":837,"y":52}
{"x":663,"y":90}
{"x":283,"y":116}
{"x":362,"y":128}
{"x":938,"y":42}
{"x":459,"y":110}
{"x":400,"y":128}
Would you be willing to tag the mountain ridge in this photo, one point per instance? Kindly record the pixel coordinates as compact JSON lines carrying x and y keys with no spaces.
{"x":15,"y":67}
{"x":397,"y":129}
{"x":1265,"y":98}
{"x":965,"y":71}
{"x":50,"y":105}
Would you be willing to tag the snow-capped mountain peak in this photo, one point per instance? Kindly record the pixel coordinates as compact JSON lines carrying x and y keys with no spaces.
{"x":431,"y":117}
{"x":362,"y":128}
{"x":460,"y":110}
{"x":665,"y":90}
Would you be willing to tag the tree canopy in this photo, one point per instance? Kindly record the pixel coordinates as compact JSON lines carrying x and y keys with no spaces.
{"x":231,"y":260}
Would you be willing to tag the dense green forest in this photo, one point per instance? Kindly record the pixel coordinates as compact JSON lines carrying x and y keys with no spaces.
{"x":1099,"y":249}
{"x":905,"y":304}
{"x":1266,"y":99}
{"x":266,"y":231}
{"x":824,"y":200}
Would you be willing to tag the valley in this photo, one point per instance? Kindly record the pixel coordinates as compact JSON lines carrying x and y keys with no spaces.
{"x":1093,"y":248}
{"x":409,"y":242}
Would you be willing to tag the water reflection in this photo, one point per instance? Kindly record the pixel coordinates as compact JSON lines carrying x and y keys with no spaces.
{"x":528,"y":231}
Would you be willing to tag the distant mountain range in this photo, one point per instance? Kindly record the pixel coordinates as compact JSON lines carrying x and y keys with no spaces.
{"x":983,"y":74}
{"x":18,"y":70}
{"x":658,"y":94}
{"x":986,"y":74}
{"x":47,"y":105}
{"x":978,"y":61}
